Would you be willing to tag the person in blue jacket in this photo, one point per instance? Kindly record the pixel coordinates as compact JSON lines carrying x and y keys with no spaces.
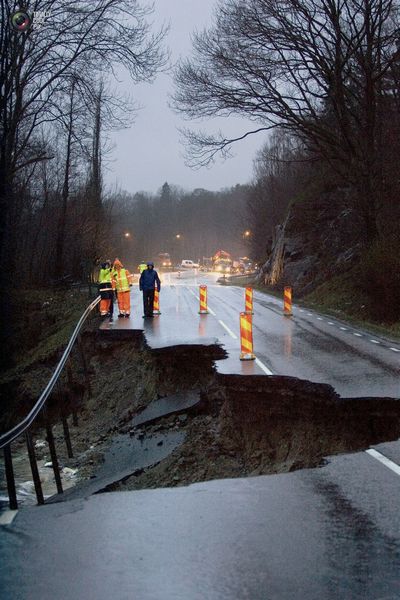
{"x":148,"y":282}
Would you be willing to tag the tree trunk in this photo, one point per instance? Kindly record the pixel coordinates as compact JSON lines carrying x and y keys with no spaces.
{"x":62,"y":221}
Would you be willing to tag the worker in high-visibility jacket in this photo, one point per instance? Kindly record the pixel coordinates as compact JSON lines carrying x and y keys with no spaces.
{"x":123,"y":282}
{"x":106,"y":284}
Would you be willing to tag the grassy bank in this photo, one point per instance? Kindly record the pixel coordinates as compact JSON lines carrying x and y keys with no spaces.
{"x":42,"y":328}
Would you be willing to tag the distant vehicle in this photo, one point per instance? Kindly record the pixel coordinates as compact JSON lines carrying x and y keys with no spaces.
{"x":163,"y":261}
{"x":189,"y":264}
{"x":246,"y":265}
{"x":206,"y":264}
{"x":222,"y":262}
{"x":234,"y":267}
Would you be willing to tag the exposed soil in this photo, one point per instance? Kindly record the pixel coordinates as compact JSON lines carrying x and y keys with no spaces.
{"x":262,"y":426}
{"x":241,"y":426}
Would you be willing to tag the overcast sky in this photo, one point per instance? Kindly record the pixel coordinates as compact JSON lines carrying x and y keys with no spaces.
{"x":150,"y":152}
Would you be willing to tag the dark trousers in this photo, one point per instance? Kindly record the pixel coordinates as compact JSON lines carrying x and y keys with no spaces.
{"x":148,"y":301}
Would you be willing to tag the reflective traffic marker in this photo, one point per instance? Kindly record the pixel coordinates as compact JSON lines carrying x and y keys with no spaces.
{"x":203,"y":300}
{"x":156,"y":303}
{"x":246,"y":337}
{"x":249,"y":301}
{"x":287,"y":301}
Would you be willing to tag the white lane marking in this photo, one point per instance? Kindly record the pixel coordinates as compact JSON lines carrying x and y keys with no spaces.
{"x":263,"y":367}
{"x":394,"y":349}
{"x":384,"y":460}
{"x":301,"y":310}
{"x":343,"y":328}
{"x":210,"y":310}
{"x":235,"y":337}
{"x":309,"y":314}
{"x":7,"y":517}
{"x":357,"y":334}
{"x":374,"y":341}
{"x":330,"y":323}
{"x":320,"y":318}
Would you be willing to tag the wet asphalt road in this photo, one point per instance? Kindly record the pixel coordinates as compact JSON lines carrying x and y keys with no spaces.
{"x":307,"y":345}
{"x":323,"y":534}
{"x":331,"y":533}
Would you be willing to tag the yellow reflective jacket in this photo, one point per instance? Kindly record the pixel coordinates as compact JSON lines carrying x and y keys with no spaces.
{"x":122,"y":279}
{"x":105,"y":276}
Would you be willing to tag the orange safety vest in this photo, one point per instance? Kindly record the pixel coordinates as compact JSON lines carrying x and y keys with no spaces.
{"x":123,"y":279}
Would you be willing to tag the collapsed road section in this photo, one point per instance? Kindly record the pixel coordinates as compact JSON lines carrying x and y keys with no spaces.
{"x":195,"y":424}
{"x":166,"y":416}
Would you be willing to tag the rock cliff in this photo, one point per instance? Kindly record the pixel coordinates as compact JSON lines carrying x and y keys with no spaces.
{"x":318,"y":239}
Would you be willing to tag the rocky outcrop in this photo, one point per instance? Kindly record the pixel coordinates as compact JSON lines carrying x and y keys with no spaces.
{"x":317,"y":240}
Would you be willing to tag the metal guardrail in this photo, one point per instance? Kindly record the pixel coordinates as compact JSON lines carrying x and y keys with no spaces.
{"x":7,"y":438}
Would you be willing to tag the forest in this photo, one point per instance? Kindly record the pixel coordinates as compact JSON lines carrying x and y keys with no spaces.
{"x":320,"y":80}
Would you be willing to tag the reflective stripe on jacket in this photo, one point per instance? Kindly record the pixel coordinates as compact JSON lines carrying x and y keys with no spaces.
{"x":122,"y":279}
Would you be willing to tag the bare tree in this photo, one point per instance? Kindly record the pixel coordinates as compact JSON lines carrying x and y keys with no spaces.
{"x":79,"y":36}
{"x":315,"y":68}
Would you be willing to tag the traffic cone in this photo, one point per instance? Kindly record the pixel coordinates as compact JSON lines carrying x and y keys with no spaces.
{"x":287,"y":301}
{"x":246,"y":337}
{"x":156,"y":303}
{"x":249,"y":301}
{"x":203,"y":300}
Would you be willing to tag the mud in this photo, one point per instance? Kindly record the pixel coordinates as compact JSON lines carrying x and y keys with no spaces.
{"x":230,"y":426}
{"x":264,"y":425}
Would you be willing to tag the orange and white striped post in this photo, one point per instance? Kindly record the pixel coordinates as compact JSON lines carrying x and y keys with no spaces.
{"x":249,"y":301}
{"x":287,"y":301}
{"x":246,"y":337}
{"x":156,"y":303}
{"x":203,"y":300}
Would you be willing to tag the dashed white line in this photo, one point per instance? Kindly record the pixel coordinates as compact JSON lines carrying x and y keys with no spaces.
{"x":309,"y":314}
{"x":357,"y":334}
{"x":210,"y":310}
{"x":330,"y":323}
{"x":235,"y":337}
{"x":394,"y":349}
{"x":320,"y":318}
{"x":374,"y":341}
{"x":343,"y":328}
{"x":263,"y":367}
{"x":301,"y":310}
{"x":384,"y":460}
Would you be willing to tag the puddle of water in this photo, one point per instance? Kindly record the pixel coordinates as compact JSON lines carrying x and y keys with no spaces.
{"x":25,"y":488}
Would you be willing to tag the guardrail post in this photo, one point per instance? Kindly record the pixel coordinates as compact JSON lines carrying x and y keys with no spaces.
{"x":34,"y":467}
{"x":53,"y":454}
{"x":12,"y":494}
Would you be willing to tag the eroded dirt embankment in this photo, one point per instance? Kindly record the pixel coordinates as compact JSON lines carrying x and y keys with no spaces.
{"x":262,"y":425}
{"x":241,"y":425}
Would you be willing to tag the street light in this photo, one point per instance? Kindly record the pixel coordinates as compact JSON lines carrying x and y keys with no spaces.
{"x":178,"y":236}
{"x":127,"y":235}
{"x":247,"y":233}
